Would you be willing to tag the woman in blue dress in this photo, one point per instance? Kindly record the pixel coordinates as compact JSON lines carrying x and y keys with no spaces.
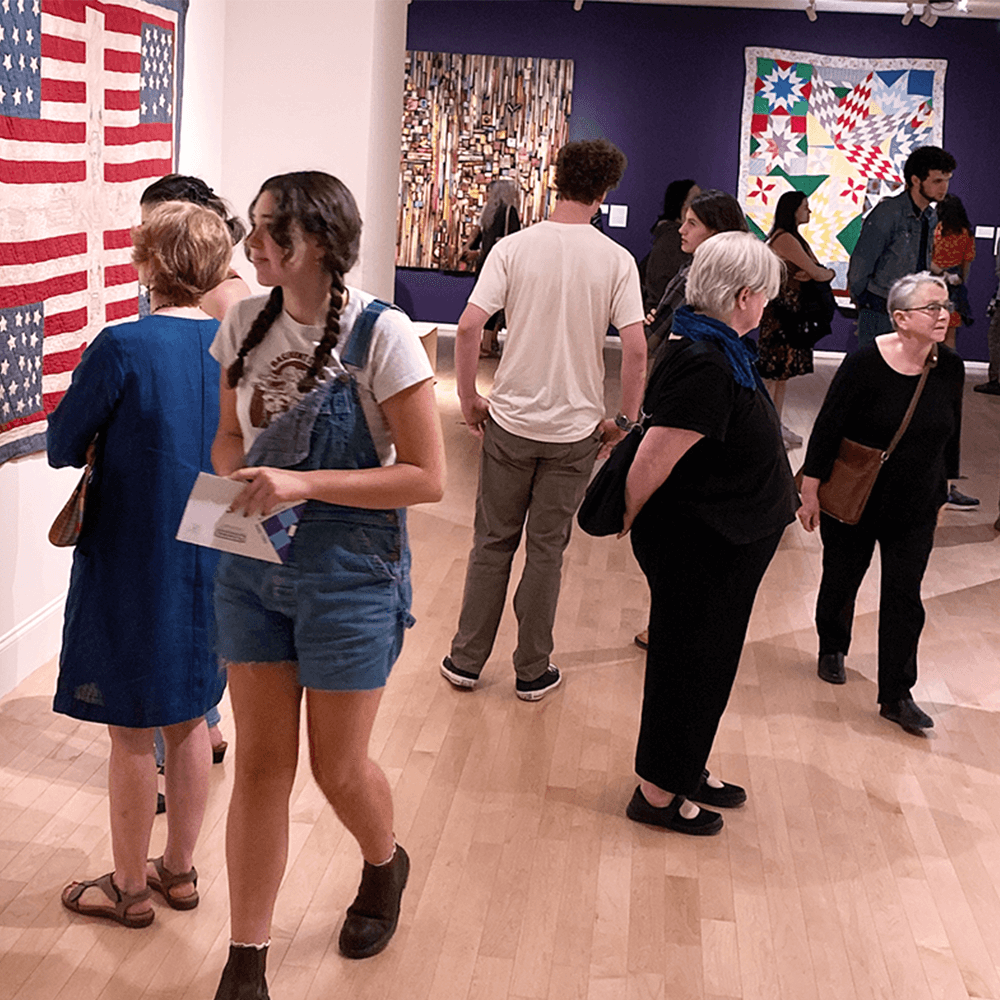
{"x":137,"y":646}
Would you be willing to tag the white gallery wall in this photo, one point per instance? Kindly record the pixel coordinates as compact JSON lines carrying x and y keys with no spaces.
{"x":269,"y":86}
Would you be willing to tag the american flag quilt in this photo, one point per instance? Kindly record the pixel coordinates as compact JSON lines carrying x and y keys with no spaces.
{"x":838,"y":129}
{"x":89,"y":106}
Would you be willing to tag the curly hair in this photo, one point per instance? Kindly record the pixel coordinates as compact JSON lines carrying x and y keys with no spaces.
{"x":186,"y":250}
{"x":586,"y":171}
{"x":952,"y":215}
{"x":308,"y":203}
{"x":180,"y":187}
{"x":923,"y":160}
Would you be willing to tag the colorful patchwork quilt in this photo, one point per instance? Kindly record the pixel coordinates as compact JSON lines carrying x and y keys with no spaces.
{"x":838,"y":129}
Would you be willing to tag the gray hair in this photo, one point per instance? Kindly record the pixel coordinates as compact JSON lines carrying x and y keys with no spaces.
{"x":724,"y":265}
{"x":500,"y":194}
{"x":902,"y":293}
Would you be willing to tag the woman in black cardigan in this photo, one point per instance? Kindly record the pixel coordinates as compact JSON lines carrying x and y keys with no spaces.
{"x":707,"y":498}
{"x":866,"y":403}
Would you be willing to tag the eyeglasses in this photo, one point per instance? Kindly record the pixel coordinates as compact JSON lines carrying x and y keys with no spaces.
{"x":931,"y":309}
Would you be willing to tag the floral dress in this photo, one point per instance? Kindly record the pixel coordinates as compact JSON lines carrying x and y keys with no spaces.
{"x":778,"y":359}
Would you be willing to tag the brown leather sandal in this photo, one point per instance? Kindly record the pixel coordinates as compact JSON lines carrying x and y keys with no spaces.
{"x":120,"y":902}
{"x":165,"y":880}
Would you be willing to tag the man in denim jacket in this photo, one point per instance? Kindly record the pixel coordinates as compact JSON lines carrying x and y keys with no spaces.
{"x":897,"y":238}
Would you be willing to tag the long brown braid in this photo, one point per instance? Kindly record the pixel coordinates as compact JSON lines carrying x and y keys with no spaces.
{"x":321,"y":206}
{"x":331,"y":334}
{"x":259,"y":327}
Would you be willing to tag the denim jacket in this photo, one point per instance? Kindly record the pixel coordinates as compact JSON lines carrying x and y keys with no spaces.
{"x":888,"y":245}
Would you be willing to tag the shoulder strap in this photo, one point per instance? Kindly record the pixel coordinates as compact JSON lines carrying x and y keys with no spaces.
{"x":356,"y":353}
{"x":931,"y":361}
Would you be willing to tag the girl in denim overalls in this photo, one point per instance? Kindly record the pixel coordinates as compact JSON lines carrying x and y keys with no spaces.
{"x":327,"y":397}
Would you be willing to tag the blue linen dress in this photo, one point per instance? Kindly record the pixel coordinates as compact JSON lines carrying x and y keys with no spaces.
{"x":138,"y":634}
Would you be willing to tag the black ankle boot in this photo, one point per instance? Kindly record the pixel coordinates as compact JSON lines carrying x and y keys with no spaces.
{"x":372,"y":917}
{"x":243,"y":976}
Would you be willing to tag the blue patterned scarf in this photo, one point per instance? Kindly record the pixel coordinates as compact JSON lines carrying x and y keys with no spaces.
{"x":740,"y":353}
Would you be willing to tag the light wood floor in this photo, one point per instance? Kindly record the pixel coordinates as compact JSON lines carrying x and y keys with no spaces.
{"x":866,"y":864}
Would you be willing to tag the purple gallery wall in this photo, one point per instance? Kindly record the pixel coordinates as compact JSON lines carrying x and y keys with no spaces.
{"x":665,"y":84}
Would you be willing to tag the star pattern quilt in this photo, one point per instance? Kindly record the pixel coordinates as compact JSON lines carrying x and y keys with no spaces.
{"x":837,"y":128}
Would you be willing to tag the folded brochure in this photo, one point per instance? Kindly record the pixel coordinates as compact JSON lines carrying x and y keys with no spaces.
{"x":208,"y":521}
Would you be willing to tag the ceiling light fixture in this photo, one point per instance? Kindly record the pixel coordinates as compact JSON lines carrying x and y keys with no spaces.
{"x":908,"y":16}
{"x":963,"y":6}
{"x":928,"y":17}
{"x":811,"y":10}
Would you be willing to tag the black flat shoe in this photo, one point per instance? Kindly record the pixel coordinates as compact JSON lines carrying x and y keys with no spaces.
{"x":704,"y":824}
{"x":727,"y":797}
{"x":908,"y":714}
{"x":831,"y":668}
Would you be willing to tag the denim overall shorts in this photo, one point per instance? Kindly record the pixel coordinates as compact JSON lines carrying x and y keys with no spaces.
{"x":340,"y":603}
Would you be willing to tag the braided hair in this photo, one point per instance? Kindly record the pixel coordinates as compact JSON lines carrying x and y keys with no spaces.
{"x":318,"y":205}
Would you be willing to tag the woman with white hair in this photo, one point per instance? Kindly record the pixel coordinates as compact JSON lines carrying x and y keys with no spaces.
{"x":707,"y":499}
{"x":866,"y":403}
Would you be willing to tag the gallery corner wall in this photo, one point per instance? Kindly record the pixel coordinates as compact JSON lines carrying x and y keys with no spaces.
{"x":324,"y":91}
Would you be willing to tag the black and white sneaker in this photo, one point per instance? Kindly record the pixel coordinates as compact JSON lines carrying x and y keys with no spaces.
{"x":538,"y":688}
{"x":959,"y":501}
{"x":458,"y":678}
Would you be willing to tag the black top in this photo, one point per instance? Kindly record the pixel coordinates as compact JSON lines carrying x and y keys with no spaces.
{"x":663,"y":261}
{"x":736,"y":479}
{"x":866,"y":402}
{"x":504,"y":223}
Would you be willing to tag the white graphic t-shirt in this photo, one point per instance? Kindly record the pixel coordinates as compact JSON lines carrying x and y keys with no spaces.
{"x":273,"y":369}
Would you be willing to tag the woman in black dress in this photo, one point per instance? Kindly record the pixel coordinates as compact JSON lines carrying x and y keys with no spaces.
{"x":707,"y":498}
{"x":866,"y":402}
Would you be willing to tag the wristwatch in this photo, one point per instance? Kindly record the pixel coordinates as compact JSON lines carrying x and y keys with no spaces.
{"x":623,"y":423}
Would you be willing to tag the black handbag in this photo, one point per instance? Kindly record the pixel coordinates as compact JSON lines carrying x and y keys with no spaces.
{"x":603,"y":509}
{"x":816,"y":309}
{"x":804,"y":311}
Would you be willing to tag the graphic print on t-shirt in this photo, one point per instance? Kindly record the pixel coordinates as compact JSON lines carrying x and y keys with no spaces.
{"x":278,"y":390}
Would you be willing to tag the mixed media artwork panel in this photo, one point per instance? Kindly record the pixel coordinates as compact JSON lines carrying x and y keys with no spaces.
{"x":89,"y":98}
{"x":837,"y":128}
{"x":468,"y":119}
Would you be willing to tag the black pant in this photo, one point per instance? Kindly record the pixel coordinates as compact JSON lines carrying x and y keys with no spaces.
{"x":904,"y":548}
{"x":702,"y":591}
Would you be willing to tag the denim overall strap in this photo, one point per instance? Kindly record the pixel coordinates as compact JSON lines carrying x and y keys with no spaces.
{"x":356,"y":352}
{"x":287,"y":440}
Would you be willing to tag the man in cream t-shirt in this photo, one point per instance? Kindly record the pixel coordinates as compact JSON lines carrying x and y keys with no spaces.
{"x":561,"y":284}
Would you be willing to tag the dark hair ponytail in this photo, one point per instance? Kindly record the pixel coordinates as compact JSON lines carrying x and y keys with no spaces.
{"x":180,"y":187}
{"x":256,"y":333}
{"x":719,"y":212}
{"x":784,"y":215}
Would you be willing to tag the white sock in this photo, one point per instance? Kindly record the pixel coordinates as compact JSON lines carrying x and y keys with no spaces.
{"x":388,"y":861}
